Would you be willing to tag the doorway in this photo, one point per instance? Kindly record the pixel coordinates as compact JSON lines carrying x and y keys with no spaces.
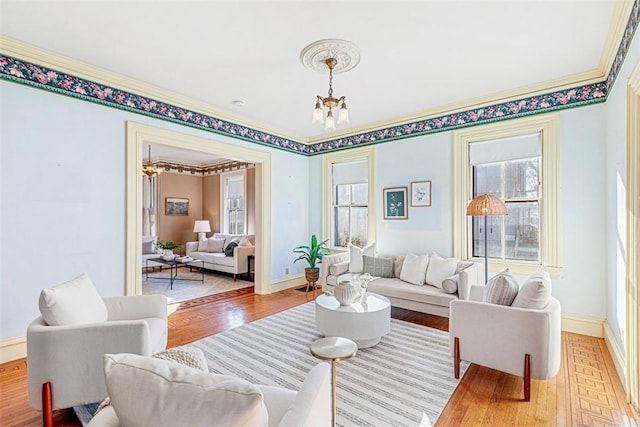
{"x":137,"y":136}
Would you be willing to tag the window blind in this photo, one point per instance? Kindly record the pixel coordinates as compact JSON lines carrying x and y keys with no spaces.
{"x":500,"y":150}
{"x":350,"y":172}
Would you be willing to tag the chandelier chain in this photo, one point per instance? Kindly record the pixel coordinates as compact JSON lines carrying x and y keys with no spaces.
{"x":330,"y":82}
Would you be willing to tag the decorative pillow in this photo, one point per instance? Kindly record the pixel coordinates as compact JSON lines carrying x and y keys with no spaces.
{"x":215,"y":245}
{"x":450,"y":284}
{"x":501,"y":289}
{"x":534,"y":292}
{"x":148,"y":245}
{"x":379,"y":267}
{"x":72,"y":303}
{"x":230,"y":239}
{"x":339,"y":268}
{"x":439,"y":269}
{"x":228,"y":250}
{"x":244,"y":241}
{"x":203,"y":245}
{"x":413,"y":269}
{"x":356,"y":264}
{"x":192,"y":357}
{"x":152,"y":392}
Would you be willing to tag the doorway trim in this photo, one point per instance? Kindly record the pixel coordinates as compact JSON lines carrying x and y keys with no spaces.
{"x":137,"y":135}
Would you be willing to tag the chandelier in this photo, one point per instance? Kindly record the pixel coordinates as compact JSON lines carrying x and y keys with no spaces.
{"x":148,"y":169}
{"x":337,"y":56}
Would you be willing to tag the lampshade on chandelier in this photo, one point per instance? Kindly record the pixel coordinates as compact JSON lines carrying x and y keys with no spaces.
{"x":336,"y":56}
{"x":148,"y":169}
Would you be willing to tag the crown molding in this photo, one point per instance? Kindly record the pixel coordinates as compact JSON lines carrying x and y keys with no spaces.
{"x":184,"y":168}
{"x":621,"y":15}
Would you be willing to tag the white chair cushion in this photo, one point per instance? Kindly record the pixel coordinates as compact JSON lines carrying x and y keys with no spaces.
{"x":450,"y":284}
{"x":414,"y":268}
{"x":189,"y":356}
{"x":534,"y":292}
{"x":501,"y":289}
{"x":72,"y":303}
{"x":439,"y":269}
{"x":150,"y":392}
{"x":356,"y":263}
{"x":215,"y":245}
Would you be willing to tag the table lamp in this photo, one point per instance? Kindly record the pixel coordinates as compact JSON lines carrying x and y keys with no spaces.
{"x":202,"y":227}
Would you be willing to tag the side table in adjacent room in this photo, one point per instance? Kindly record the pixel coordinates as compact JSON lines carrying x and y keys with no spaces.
{"x":334,"y":349}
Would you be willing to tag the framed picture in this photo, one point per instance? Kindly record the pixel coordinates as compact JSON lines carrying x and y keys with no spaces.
{"x":395,"y":203}
{"x":176,"y":206}
{"x":421,"y":193}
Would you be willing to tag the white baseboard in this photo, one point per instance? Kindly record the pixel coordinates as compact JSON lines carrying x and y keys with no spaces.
{"x":13,"y":349}
{"x":616,"y":352}
{"x":293,"y":282}
{"x":585,"y":325}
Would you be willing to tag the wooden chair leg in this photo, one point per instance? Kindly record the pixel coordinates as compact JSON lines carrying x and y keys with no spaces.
{"x":456,"y":357}
{"x":47,"y":405}
{"x":527,"y":377}
{"x":235,"y":279}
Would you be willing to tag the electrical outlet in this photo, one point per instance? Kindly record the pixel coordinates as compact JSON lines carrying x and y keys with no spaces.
{"x":286,"y":271}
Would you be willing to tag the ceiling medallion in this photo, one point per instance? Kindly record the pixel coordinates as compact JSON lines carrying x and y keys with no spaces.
{"x":335,"y":56}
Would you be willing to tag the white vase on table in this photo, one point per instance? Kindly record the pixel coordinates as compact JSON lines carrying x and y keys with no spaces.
{"x":346,"y":293}
{"x":168,"y":255}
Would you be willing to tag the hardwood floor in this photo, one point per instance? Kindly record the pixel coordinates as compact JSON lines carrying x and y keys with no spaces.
{"x":586,"y":392}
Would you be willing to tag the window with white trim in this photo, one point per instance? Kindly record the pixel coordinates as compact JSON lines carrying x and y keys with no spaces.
{"x":233,"y":203}
{"x":516,"y":161}
{"x":348,"y":197}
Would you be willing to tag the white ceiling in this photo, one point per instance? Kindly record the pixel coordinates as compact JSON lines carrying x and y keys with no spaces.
{"x":415,"y":55}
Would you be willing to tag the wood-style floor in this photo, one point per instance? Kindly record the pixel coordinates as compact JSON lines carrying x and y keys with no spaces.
{"x":586,"y":392}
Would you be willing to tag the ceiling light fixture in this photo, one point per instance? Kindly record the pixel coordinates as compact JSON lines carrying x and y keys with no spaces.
{"x":148,"y":169}
{"x":337,"y":56}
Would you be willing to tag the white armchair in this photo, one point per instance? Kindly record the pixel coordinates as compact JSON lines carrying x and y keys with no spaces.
{"x":186,"y":396}
{"x":519,"y":341}
{"x":65,"y":345}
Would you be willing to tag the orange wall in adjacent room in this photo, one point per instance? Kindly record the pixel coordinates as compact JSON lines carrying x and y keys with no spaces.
{"x":174,"y":227}
{"x":251,"y":200}
{"x":211,"y":201}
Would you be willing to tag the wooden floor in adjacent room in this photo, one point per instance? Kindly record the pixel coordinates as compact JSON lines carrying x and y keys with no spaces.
{"x":586,"y":392}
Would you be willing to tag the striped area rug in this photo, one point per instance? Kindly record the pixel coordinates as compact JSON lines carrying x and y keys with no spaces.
{"x":406,"y":377}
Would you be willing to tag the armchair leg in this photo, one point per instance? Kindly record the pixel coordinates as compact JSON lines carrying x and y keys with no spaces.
{"x":456,"y":358}
{"x":235,"y":279}
{"x":47,"y":405}
{"x":527,"y":377}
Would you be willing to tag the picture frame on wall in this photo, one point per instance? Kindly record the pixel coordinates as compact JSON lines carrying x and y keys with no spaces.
{"x":395,"y":203}
{"x":421,"y":193}
{"x":176,"y":206}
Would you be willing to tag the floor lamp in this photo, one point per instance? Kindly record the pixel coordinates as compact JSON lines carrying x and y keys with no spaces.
{"x":485,"y":205}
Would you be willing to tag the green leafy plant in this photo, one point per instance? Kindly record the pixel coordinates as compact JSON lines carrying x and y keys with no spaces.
{"x":312,"y":254}
{"x":168,"y":245}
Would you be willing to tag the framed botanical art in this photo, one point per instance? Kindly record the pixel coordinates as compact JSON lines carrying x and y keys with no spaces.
{"x":395,"y":203}
{"x":176,"y":206}
{"x":421,"y":193}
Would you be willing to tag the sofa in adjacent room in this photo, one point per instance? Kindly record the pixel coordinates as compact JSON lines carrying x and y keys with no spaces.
{"x":407,"y":279}
{"x":224,"y":252}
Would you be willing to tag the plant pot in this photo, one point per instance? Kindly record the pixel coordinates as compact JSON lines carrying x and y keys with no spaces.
{"x":312,"y":274}
{"x":168,"y":255}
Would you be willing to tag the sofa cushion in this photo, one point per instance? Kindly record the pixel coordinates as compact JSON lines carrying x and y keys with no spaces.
{"x":189,"y":356}
{"x":72,"y":303}
{"x":450,"y":284}
{"x":501,"y":289}
{"x":534,"y":292}
{"x":377,"y":266}
{"x":414,"y":268}
{"x":230,"y":239}
{"x":439,"y":269}
{"x":147,"y":391}
{"x":356,"y":263}
{"x":339,"y":268}
{"x":244,"y":241}
{"x":216,"y":259}
{"x":203,"y":245}
{"x":149,"y":245}
{"x":395,"y":288}
{"x":214,"y":245}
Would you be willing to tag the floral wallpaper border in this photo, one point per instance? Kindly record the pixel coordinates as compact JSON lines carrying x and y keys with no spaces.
{"x":22,"y":72}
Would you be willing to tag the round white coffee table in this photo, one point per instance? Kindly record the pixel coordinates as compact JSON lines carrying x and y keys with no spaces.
{"x":363,"y":322}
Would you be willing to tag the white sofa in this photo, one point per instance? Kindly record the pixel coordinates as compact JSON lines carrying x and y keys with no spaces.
{"x":181,"y":395}
{"x":218,"y":261}
{"x":425,"y":298}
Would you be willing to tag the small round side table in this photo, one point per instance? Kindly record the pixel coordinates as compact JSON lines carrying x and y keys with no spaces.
{"x":334,"y":349}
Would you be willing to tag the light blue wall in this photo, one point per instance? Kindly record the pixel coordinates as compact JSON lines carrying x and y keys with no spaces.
{"x":63,"y":198}
{"x":616,"y":184}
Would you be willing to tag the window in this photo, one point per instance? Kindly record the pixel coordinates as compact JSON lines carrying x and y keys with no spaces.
{"x":348,"y":198}
{"x":515,"y":161}
{"x":233,"y":203}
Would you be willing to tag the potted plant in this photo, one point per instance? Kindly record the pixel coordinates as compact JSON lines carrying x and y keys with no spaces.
{"x":312,"y":254}
{"x":168,"y":246}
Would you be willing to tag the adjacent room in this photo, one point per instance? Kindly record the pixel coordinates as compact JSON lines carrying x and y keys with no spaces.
{"x":357,"y":213}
